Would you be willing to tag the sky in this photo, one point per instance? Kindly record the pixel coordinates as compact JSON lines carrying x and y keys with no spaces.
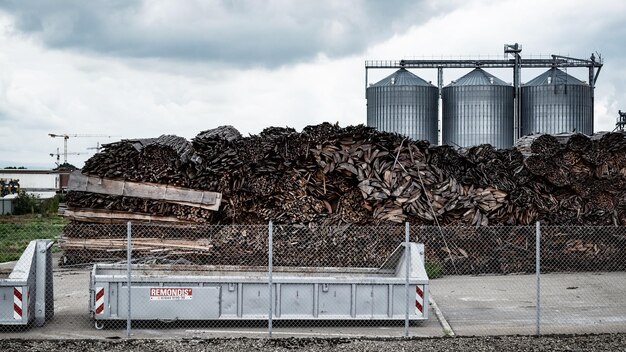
{"x":143,"y":68}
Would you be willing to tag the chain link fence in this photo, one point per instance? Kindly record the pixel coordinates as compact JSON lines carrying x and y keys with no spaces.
{"x":299,"y":280}
{"x":583,"y":281}
{"x":496,"y":280}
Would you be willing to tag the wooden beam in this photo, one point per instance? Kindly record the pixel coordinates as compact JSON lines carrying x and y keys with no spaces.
{"x":113,"y":217}
{"x":170,"y":194}
{"x":139,"y":244}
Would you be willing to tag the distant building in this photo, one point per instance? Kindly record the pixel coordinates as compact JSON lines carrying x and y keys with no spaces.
{"x":41,"y":183}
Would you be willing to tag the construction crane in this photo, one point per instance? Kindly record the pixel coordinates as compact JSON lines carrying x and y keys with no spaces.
{"x":97,"y":147}
{"x":58,"y":155}
{"x":67,"y":136}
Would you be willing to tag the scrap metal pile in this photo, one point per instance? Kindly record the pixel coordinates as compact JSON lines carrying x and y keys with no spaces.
{"x":328,"y":175}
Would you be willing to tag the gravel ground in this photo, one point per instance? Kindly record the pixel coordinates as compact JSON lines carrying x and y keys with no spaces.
{"x":606,"y":342}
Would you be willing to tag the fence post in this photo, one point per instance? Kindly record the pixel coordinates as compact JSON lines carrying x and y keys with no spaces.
{"x":129,"y":249}
{"x":538,"y":276}
{"x":269,"y":276}
{"x":407,"y":261}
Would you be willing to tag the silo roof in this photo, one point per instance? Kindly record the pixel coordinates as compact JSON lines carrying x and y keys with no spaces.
{"x":478,"y":77}
{"x":554,"y":76}
{"x":402,"y":77}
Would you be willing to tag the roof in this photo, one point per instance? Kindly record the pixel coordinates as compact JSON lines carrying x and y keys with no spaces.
{"x":402,"y":77}
{"x":478,"y":77}
{"x":554,"y":76}
{"x":31,"y":172}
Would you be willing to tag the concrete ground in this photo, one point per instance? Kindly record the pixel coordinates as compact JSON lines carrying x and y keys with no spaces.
{"x":472,"y":305}
{"x":498,"y":305}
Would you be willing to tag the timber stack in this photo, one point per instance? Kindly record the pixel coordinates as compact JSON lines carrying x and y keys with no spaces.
{"x":328,"y":175}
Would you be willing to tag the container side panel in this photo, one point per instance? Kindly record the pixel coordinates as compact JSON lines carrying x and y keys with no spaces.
{"x":296,"y":300}
{"x":6,"y":304}
{"x":372,"y":301}
{"x":335,"y":300}
{"x":229,"y":300}
{"x":399,"y":300}
{"x":167,"y":302}
{"x":380,"y":298}
{"x":364,"y":301}
{"x":255,"y":300}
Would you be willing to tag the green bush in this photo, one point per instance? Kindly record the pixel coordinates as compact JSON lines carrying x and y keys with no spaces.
{"x":49,"y":206}
{"x":29,"y":204}
{"x":433,"y":269}
{"x":25,"y":204}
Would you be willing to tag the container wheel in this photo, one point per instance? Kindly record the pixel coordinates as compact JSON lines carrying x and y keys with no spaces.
{"x":99,"y":325}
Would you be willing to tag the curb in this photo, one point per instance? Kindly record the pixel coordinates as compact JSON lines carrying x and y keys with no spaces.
{"x":447,"y":329}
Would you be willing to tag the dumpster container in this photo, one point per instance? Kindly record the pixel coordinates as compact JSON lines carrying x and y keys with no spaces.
{"x":26,"y":294}
{"x":180,"y":292}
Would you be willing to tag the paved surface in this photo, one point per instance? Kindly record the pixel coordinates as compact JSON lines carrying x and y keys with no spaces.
{"x":570,"y":303}
{"x":472,"y":305}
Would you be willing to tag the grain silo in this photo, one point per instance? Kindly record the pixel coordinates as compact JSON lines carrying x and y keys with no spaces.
{"x":406,"y":104}
{"x":478,"y":109}
{"x":556,"y":102}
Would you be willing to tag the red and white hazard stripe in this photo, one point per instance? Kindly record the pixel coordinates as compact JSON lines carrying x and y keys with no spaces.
{"x":17,"y":303}
{"x":99,"y":300}
{"x":419,"y":300}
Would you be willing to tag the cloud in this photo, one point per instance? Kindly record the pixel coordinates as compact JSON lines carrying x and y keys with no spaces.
{"x":562,"y":27}
{"x":136,"y":69}
{"x":57,"y":91}
{"x":265,"y":33}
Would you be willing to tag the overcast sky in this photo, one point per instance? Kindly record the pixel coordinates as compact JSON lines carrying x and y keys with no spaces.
{"x":145,"y":68}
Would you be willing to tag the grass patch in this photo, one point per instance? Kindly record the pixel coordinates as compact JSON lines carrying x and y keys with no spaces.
{"x":18,"y":230}
{"x":433,"y":269}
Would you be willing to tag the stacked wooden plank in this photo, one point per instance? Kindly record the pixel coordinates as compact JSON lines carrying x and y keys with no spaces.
{"x":332,"y":175}
{"x":328,"y":175}
{"x":247,"y":245}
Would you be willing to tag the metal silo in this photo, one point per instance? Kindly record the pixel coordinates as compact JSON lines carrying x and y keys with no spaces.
{"x":556,"y":102}
{"x":478,"y":109}
{"x":405,"y":104}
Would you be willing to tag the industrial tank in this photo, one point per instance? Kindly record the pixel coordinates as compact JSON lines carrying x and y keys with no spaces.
{"x":404,"y":103}
{"x":556,"y":102}
{"x":478,"y":109}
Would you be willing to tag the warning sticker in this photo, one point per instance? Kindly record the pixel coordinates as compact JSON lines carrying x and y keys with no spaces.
{"x":170,"y":294}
